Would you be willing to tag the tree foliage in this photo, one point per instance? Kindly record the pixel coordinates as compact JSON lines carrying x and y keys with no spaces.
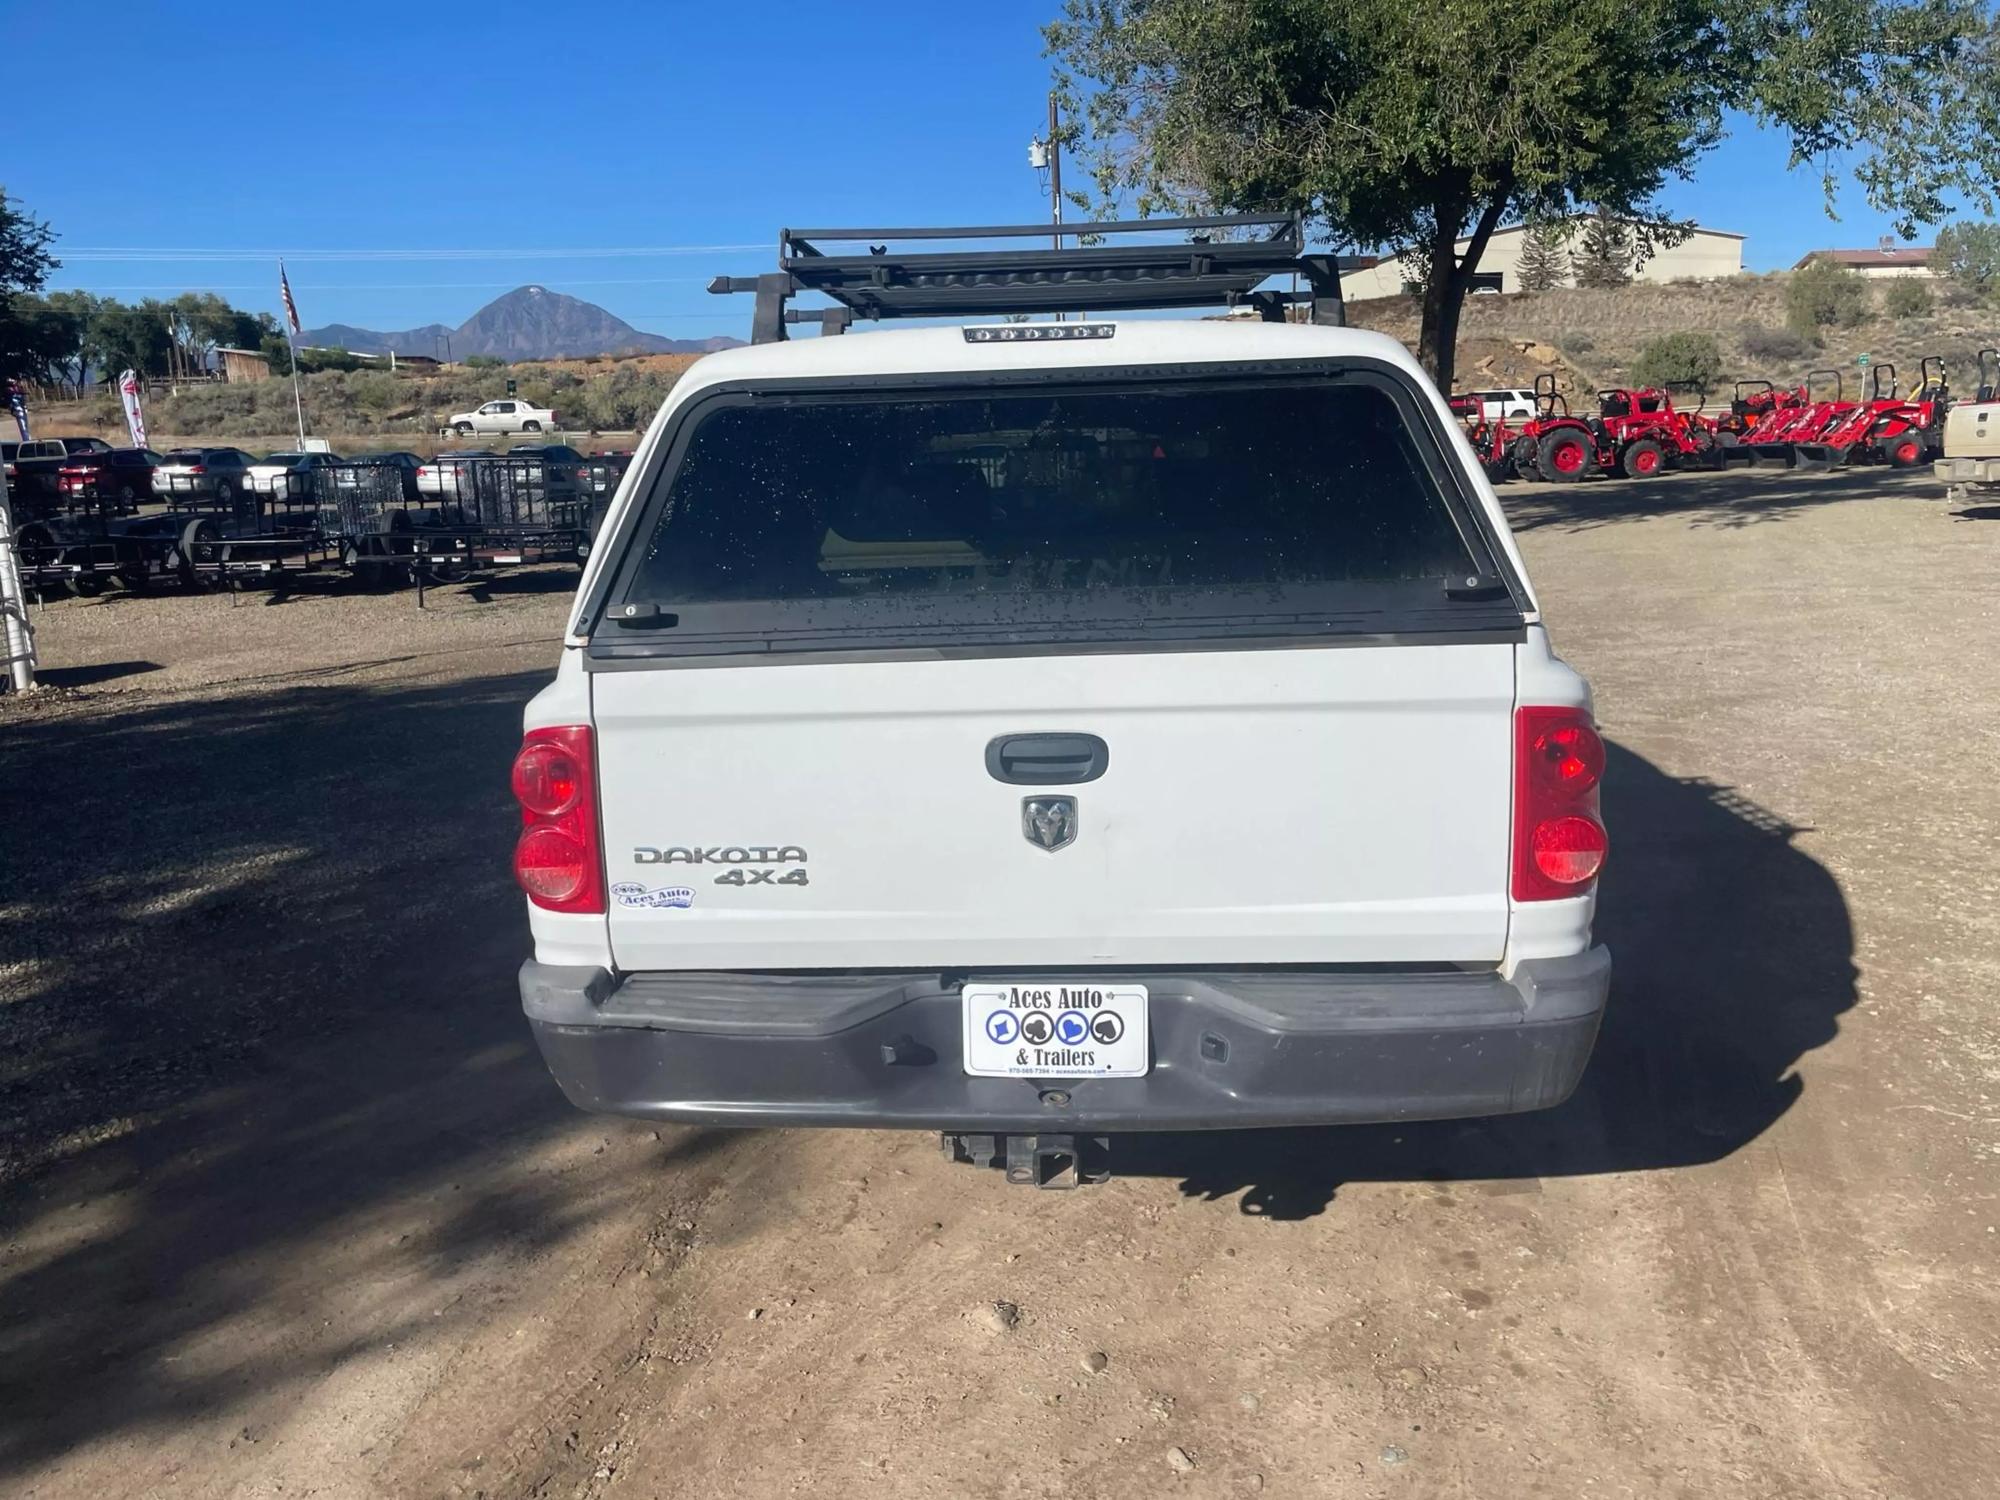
{"x":1680,"y":361}
{"x":1545,"y":256}
{"x":1968,"y":253}
{"x":1906,"y":297}
{"x":1606,"y":256}
{"x":1823,"y":293}
{"x":72,"y":336}
{"x":25,"y":264}
{"x":1421,"y":125}
{"x":202,"y":322}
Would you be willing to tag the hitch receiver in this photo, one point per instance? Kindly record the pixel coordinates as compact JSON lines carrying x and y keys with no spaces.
{"x":1043,"y":1161}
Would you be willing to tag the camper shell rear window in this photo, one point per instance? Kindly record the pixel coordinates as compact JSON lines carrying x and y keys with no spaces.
{"x":1058,"y":512}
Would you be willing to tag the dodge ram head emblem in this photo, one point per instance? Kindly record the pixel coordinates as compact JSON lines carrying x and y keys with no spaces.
{"x":1049,"y":822}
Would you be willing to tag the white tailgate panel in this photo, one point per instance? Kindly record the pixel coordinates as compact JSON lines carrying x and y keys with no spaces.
{"x":1321,"y":805}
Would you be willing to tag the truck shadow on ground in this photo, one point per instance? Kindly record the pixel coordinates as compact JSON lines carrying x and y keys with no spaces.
{"x":1732,"y":498}
{"x":261,"y":1034}
{"x":1733,"y":960}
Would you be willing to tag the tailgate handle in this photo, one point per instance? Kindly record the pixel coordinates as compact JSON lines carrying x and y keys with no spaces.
{"x":1047,"y":759}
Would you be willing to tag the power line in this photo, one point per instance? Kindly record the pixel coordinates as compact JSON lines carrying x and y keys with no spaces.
{"x":136,"y":253}
{"x":379,"y":286}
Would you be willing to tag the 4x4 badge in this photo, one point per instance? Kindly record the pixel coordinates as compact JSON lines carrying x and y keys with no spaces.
{"x":1049,"y":822}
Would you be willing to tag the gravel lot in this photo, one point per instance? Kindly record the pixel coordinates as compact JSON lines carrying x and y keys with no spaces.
{"x":290,"y":1205}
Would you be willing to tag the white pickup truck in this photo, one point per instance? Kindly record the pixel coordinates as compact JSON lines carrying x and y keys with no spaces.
{"x":505,"y":416}
{"x":1025,"y":739}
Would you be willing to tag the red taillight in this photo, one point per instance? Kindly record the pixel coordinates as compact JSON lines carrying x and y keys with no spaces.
{"x":558,"y":861}
{"x":1559,"y":839}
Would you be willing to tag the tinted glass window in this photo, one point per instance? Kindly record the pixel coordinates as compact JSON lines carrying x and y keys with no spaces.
{"x":1027,"y":509}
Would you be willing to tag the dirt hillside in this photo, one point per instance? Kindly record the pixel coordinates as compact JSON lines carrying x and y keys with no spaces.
{"x":1600,"y":332}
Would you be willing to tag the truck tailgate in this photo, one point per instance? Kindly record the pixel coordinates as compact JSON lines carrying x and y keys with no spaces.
{"x":1311,"y":805}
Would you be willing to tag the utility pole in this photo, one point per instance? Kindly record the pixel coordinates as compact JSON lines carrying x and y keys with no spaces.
{"x":1055,"y":171}
{"x":1045,"y":155}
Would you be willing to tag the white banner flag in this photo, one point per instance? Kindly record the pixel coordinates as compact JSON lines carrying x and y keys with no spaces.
{"x":135,"y":419}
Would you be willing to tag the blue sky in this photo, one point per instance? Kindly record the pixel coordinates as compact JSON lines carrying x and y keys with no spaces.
{"x":418,"y":143}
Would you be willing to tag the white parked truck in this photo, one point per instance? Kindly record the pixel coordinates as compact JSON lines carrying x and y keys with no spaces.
{"x":1037,"y":736}
{"x":1970,"y":467}
{"x":505,"y":416}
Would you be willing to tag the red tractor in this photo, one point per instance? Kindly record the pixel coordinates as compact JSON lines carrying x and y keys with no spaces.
{"x":1773,"y":439}
{"x":1752,"y":402}
{"x":1887,"y":428}
{"x":1635,"y":433}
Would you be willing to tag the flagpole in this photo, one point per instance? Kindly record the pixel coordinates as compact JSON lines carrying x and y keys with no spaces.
{"x":291,"y":322}
{"x":298,"y":401}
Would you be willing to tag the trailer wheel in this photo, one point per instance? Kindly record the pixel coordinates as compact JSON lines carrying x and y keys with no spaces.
{"x":1903,"y":451}
{"x":31,"y":541}
{"x":1564,"y":456}
{"x":1643,"y":459}
{"x":197,"y":545}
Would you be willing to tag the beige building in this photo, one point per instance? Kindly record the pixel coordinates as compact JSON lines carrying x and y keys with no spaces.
{"x":1887,"y":261}
{"x":1705,"y":255}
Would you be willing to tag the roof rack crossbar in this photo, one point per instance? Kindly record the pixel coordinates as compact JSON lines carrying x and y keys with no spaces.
{"x":1219,"y":263}
{"x":1282,"y":226}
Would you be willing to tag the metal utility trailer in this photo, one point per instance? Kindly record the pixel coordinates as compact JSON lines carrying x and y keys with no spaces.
{"x":85,"y":543}
{"x":1220,"y":261}
{"x":353,"y":518}
{"x":253,"y":536}
{"x":515,"y":511}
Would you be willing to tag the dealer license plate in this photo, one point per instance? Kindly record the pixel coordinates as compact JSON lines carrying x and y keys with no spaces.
{"x":1048,"y":1029}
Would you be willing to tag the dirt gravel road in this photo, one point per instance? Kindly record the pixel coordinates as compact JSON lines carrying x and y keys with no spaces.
{"x":292,"y":1208}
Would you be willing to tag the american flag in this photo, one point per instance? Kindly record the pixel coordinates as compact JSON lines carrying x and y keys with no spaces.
{"x":291,"y":307}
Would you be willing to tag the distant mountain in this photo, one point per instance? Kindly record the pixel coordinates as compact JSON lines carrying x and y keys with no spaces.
{"x":530,"y":322}
{"x":368,"y":341}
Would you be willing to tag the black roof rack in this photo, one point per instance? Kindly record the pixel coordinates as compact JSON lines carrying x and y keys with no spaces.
{"x":1221,"y":262}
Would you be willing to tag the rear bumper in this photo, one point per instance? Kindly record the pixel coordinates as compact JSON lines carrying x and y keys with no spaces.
{"x":1230,"y":1050}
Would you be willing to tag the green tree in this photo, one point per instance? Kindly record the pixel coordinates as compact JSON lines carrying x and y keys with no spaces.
{"x":1969,"y":254}
{"x":1823,"y":293}
{"x":41,"y":338}
{"x":1906,"y":298}
{"x":79,"y":312}
{"x":203,"y":323}
{"x":1680,"y":361}
{"x":1605,"y":257}
{"x":25,"y":264}
{"x":1545,"y":260}
{"x":134,"y":337}
{"x":1424,"y":124}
